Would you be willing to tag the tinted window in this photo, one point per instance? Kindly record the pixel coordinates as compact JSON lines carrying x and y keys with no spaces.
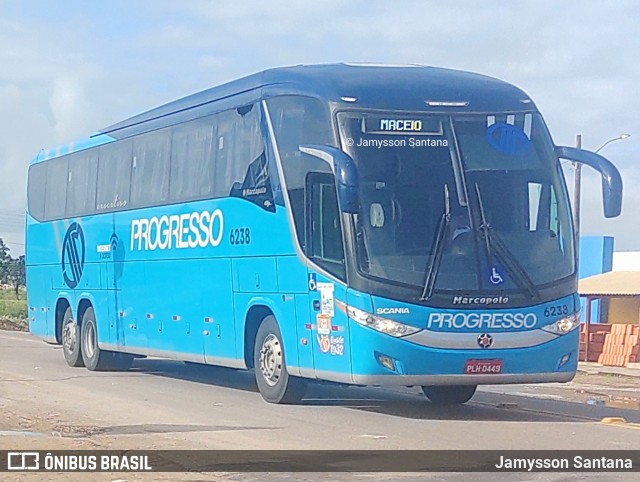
{"x":114,"y":176}
{"x":150,"y":169}
{"x":81,"y":188}
{"x":297,"y":121}
{"x":241,"y":165}
{"x":225,"y":171}
{"x":324,"y":233}
{"x":239,"y":144}
{"x":193,"y":159}
{"x":56,"y":189}
{"x":36,"y":189}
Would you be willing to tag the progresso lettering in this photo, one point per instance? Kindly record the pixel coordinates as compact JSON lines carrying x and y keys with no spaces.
{"x":482,"y":321}
{"x":188,"y":230}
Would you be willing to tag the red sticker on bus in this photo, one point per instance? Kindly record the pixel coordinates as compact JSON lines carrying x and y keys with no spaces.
{"x":482,"y":367}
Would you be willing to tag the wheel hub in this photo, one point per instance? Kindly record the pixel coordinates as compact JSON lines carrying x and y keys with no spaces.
{"x":69,"y":336}
{"x":271,"y":359}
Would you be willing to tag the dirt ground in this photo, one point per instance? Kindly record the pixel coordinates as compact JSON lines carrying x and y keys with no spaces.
{"x":39,"y":425}
{"x":11,"y":324}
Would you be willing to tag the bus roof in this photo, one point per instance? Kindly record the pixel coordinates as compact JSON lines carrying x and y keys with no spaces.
{"x":379,"y":86}
{"x":408,"y":87}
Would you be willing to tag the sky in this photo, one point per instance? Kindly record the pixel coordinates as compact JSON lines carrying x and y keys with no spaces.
{"x":70,"y":67}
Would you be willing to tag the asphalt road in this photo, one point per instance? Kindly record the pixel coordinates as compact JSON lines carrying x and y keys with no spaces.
{"x":170,"y":405}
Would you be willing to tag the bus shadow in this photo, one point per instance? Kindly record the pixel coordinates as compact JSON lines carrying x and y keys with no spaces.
{"x":196,"y":372}
{"x":408,"y":403}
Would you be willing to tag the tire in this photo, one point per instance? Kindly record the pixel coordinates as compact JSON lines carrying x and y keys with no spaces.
{"x":449,"y":395}
{"x":274,"y":382}
{"x":94,"y":358}
{"x":71,"y":340}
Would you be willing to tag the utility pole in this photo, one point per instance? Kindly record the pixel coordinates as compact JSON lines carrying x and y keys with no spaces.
{"x":577,"y":181}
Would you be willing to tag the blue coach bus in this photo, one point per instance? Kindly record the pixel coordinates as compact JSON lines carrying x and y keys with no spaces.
{"x":368,"y":225}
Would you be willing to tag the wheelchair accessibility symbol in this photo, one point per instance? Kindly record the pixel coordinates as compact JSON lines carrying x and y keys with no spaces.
{"x":496,"y":278}
{"x":313,"y":283}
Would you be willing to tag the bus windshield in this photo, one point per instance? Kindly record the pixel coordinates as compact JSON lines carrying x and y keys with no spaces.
{"x":464,"y":203}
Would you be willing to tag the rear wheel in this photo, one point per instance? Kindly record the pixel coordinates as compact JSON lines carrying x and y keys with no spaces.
{"x":96,"y":359}
{"x":274,"y":382}
{"x":449,"y":395}
{"x":71,"y":340}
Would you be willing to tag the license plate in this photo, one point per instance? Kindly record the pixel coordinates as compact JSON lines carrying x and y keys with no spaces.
{"x":482,"y":367}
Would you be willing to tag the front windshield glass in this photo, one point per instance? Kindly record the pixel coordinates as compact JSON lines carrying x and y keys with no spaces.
{"x":477,"y":200}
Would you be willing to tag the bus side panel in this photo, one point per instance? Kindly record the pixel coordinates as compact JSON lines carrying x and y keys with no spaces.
{"x":255,"y":275}
{"x":171,"y":298}
{"x":39,"y":289}
{"x":304,"y":328}
{"x":216,"y":311}
{"x":134,"y":310}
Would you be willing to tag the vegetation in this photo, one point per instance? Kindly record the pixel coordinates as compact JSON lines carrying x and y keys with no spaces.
{"x":13,"y":300}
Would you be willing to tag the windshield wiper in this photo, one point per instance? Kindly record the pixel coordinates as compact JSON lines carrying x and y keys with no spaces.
{"x":438,"y":247}
{"x":502,"y":253}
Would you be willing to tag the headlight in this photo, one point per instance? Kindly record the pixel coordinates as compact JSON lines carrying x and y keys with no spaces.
{"x":564,"y":325}
{"x":382,"y":325}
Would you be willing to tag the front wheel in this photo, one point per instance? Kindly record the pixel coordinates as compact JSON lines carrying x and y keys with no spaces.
{"x":96,"y":359}
{"x":274,"y":382}
{"x":449,"y":395}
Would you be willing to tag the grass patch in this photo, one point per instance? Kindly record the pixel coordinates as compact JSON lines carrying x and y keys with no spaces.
{"x":13,"y":309}
{"x":10,"y":294}
{"x":13,"y":312}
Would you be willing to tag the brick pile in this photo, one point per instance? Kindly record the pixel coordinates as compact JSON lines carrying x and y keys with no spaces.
{"x":611,"y":345}
{"x":597,"y":334}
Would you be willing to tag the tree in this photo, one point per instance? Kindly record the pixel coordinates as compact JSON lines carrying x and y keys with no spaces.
{"x":17,"y":274}
{"x":12,"y":270}
{"x":5,"y":258}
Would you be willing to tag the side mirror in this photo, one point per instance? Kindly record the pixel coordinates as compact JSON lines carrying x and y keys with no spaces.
{"x":344,"y":171}
{"x":611,"y":180}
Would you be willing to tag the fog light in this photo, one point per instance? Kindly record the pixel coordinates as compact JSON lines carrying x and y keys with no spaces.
{"x":563,"y":361}
{"x":386,"y":361}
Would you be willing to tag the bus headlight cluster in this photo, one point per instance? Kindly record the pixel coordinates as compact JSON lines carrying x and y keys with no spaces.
{"x":383,"y":325}
{"x":564,"y":325}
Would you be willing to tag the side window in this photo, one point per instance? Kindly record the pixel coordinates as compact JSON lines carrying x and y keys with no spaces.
{"x":36,"y":189}
{"x":56,"y":188}
{"x":239,"y":144}
{"x":150,"y":169}
{"x":81,"y":189}
{"x":554,"y":223}
{"x":241,"y":165}
{"x":324,"y":231}
{"x":114,"y":176}
{"x":297,"y":121}
{"x":535,"y":198}
{"x":226,"y":170}
{"x":193,"y":159}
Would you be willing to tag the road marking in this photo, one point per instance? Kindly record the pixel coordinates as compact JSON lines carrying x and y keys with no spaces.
{"x":613,"y":420}
{"x":619,"y":422}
